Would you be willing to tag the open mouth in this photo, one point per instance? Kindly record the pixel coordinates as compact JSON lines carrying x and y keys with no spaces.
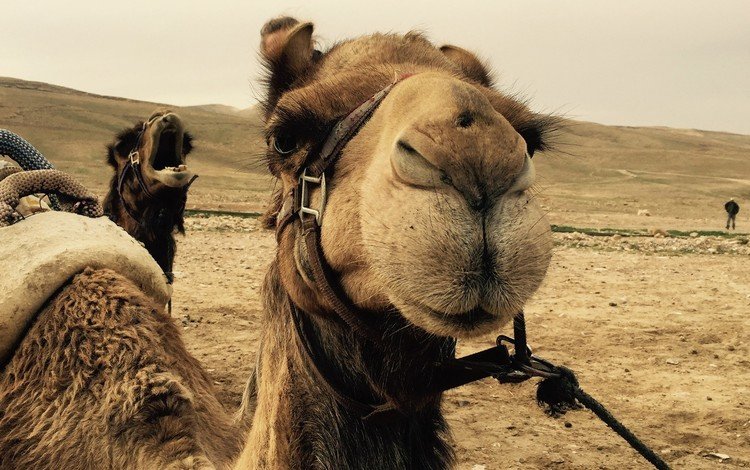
{"x":166,"y":162}
{"x":166,"y":153}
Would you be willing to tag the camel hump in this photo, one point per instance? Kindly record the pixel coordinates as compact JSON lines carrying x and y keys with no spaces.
{"x":42,"y":253}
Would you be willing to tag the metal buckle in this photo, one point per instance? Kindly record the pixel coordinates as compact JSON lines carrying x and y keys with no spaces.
{"x":134,"y":157}
{"x":304,"y":195}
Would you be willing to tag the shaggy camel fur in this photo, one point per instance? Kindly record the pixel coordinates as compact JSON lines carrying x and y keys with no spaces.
{"x":103,"y":380}
{"x":162,"y":145}
{"x":429,"y":226}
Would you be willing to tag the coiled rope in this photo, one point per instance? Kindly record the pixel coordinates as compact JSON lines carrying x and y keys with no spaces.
{"x":24,"y":183}
{"x":27,"y":157}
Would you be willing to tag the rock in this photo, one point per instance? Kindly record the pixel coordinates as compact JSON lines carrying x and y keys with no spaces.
{"x":644,"y":212}
{"x":693,"y":234}
{"x":478,"y":467}
{"x":719,"y":456}
{"x":613,"y":304}
{"x":673,"y":361}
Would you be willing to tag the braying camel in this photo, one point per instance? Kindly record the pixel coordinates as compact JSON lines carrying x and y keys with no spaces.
{"x":148,"y":190}
{"x":405,"y":221}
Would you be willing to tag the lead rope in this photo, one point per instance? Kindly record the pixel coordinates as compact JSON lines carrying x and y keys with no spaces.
{"x":560,"y":392}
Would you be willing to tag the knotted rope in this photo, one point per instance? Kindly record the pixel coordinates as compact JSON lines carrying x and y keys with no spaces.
{"x":24,"y":183}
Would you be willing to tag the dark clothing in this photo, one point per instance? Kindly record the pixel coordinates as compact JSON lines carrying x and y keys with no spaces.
{"x":732,"y":208}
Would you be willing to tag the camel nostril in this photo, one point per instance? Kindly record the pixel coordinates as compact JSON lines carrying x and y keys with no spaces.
{"x":465,"y":119}
{"x":406,"y":147}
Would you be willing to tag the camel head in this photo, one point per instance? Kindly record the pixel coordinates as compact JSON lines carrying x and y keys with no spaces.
{"x":430,"y":207}
{"x":160,"y":145}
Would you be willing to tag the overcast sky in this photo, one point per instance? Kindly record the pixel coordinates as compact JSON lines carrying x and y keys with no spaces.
{"x":678,"y":63}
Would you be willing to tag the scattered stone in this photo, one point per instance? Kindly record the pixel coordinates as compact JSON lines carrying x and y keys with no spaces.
{"x":672,"y":361}
{"x":719,"y":456}
{"x":693,"y":234}
{"x":658,"y":232}
{"x":478,"y":467}
{"x":644,"y":212}
{"x":709,"y":399}
{"x":568,"y":424}
{"x":613,"y":304}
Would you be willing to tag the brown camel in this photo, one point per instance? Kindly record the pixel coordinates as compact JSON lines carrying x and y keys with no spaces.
{"x":429,"y":230}
{"x":148,"y":198}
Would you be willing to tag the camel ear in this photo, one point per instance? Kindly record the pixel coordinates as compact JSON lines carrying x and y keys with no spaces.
{"x":468,"y":63}
{"x":287,"y":47}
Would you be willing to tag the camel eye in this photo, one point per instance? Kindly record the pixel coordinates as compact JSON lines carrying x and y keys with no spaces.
{"x":284,"y":143}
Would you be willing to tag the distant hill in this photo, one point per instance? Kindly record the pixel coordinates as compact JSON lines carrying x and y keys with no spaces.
{"x":600,"y":176}
{"x":72,"y":129}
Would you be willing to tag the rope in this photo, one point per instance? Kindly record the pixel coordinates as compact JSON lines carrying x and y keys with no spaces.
{"x":562,"y":393}
{"x":600,"y":411}
{"x":24,"y":183}
{"x":27,"y":157}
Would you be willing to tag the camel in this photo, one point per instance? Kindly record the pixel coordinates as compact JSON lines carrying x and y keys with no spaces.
{"x":426,"y":226}
{"x":148,"y":190}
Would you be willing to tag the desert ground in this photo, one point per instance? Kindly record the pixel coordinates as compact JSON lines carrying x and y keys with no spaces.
{"x":657,"y":328}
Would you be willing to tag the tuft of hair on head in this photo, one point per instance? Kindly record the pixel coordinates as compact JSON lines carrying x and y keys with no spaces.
{"x":471,"y":65}
{"x":125,"y":141}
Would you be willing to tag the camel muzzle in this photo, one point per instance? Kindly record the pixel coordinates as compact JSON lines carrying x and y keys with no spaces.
{"x":165,"y":160}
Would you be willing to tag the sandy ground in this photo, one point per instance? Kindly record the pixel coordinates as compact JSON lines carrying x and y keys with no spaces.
{"x":657,"y":329}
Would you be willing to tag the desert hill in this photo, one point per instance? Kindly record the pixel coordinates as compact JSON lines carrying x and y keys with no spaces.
{"x":600,"y":176}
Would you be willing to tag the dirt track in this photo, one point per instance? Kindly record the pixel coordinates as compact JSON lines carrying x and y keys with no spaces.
{"x":657,"y":329}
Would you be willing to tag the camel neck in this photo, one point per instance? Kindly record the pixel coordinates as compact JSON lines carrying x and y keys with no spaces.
{"x":320,"y":432}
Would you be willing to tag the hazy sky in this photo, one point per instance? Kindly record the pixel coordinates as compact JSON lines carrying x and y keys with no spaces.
{"x":678,"y":63}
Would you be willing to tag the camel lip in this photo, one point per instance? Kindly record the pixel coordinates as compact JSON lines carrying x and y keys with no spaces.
{"x":469,"y":320}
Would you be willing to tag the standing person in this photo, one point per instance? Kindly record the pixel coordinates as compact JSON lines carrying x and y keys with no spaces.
{"x":732,"y":209}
